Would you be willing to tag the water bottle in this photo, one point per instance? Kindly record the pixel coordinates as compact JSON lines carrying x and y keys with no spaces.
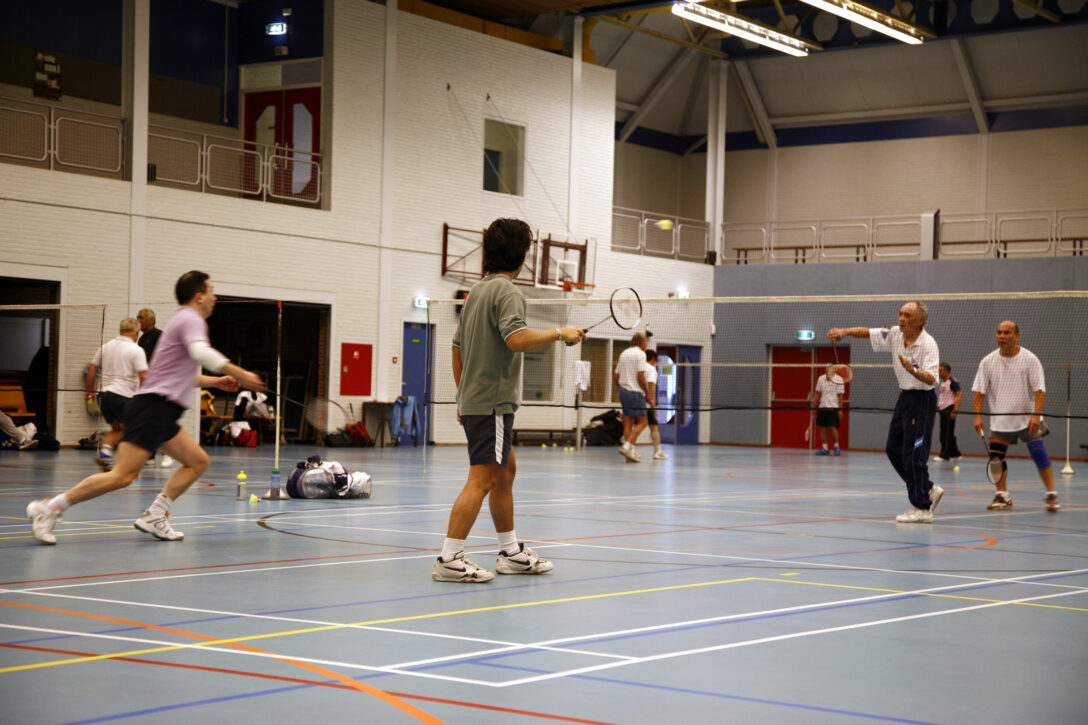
{"x":240,"y":490}
{"x":275,"y":486}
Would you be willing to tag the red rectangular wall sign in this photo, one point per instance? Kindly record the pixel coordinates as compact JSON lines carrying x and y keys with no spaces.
{"x":355,"y":368}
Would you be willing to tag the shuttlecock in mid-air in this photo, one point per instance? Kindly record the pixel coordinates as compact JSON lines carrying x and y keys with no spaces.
{"x":663,"y":224}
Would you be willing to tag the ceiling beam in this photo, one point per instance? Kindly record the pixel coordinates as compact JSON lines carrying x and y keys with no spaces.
{"x":1036,"y":7}
{"x":663,"y":36}
{"x":694,"y":94}
{"x":756,"y":107}
{"x":970,"y":85}
{"x":680,"y":61}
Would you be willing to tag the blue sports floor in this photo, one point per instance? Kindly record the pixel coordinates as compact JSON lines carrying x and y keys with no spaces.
{"x":725,"y":585}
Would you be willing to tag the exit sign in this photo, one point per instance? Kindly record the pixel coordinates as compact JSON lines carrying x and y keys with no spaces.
{"x":275,"y":29}
{"x":806,"y":335}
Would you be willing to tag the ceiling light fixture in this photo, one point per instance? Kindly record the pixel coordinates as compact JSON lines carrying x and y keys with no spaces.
{"x":873,"y":19}
{"x":743,"y":28}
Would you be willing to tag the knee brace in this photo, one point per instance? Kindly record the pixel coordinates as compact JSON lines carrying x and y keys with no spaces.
{"x":998,"y":451}
{"x":1038,"y":454}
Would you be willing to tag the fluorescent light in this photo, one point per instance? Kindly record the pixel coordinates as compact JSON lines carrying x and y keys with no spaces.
{"x":741,"y":28}
{"x":855,"y":12}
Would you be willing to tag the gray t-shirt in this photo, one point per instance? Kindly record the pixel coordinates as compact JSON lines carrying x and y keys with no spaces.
{"x":491,"y":372}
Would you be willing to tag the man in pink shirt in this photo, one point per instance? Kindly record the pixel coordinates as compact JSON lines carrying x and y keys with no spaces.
{"x":151,"y":417}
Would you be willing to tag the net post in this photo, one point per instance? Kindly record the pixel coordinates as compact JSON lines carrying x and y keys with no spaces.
{"x":578,"y":420}
{"x":275,"y":493}
{"x":1068,"y":469}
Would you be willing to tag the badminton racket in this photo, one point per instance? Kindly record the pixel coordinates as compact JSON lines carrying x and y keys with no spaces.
{"x":624,"y":308}
{"x":842,"y":370}
{"x":326,"y":415}
{"x":993,"y":465}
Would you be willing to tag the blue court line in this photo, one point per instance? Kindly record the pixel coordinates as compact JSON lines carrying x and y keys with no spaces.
{"x":724,"y":696}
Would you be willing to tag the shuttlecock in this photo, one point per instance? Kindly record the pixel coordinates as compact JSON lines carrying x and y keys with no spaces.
{"x":663,"y":224}
{"x":956,"y":469}
{"x":253,"y":498}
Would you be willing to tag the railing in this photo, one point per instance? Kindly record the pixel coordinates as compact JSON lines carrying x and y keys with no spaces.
{"x":659,"y":235}
{"x":54,"y":137}
{"x":224,"y":165}
{"x":1036,"y":233}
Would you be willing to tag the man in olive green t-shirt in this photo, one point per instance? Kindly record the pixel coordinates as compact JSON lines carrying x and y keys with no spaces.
{"x":487,"y":370}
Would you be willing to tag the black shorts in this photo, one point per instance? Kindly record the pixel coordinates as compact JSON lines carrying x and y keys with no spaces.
{"x":489,"y":438}
{"x":827,"y":417}
{"x":113,"y":406}
{"x":151,"y":420}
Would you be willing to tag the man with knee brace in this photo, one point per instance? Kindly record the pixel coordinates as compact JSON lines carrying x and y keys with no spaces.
{"x":1012,"y":377}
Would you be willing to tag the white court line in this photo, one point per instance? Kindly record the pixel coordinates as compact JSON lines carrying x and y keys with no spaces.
{"x":397,"y":668}
{"x":503,"y":645}
{"x":361,"y":560}
{"x":765,"y":640}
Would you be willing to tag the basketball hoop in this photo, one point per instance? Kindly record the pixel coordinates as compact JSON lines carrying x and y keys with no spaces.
{"x":578,"y":287}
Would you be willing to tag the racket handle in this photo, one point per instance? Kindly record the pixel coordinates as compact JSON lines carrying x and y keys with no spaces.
{"x":572,"y":344}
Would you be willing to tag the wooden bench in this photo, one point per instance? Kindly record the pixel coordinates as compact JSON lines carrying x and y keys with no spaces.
{"x":552,"y":435}
{"x":13,"y":403}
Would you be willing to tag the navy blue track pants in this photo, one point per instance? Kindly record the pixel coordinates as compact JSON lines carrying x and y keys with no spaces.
{"x":909,"y":438}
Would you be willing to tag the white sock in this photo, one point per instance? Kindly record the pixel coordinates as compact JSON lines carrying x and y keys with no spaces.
{"x":825,"y":446}
{"x":59,"y":503}
{"x":451,"y":548}
{"x":160,"y":507}
{"x":627,"y":445}
{"x":508,"y":542}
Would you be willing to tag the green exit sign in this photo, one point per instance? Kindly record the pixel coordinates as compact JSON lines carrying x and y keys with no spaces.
{"x":275,"y":29}
{"x":806,"y":335}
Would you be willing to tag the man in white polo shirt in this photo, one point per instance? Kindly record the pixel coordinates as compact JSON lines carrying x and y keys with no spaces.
{"x":124,"y":366}
{"x":630,"y":376}
{"x":915,"y":361}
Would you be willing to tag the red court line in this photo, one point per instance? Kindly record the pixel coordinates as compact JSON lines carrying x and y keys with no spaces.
{"x":382,"y":695}
{"x":317,"y":683}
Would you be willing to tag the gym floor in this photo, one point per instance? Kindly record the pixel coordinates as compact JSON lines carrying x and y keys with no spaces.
{"x":723,"y":585}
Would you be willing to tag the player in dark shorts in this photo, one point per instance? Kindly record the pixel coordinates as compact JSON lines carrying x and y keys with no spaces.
{"x":487,"y":371}
{"x":151,"y":417}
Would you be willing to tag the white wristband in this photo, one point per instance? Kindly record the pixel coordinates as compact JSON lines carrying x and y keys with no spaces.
{"x":560,"y":335}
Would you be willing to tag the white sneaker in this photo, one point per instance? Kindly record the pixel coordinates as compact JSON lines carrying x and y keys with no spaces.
{"x":525,"y":561}
{"x":661,"y":456}
{"x":159,"y":527}
{"x":629,"y":454}
{"x":166,"y":461}
{"x":935,"y":494}
{"x":915,"y":516}
{"x":460,"y":569}
{"x":42,"y":520}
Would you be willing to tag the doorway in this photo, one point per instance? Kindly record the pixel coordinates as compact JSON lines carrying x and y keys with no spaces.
{"x":678,"y":393}
{"x":416,"y":373}
{"x":284,"y":128}
{"x":244,"y":329}
{"x":794,"y":373}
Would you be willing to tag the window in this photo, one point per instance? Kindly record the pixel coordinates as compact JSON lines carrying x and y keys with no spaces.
{"x":537,"y":374}
{"x":595,"y":351}
{"x":504,"y":157}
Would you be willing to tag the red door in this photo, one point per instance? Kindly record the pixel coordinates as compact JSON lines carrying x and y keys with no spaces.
{"x":792,"y":386}
{"x":283,"y":129}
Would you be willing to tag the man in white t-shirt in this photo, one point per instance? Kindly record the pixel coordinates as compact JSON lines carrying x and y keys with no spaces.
{"x":916,"y":360}
{"x":651,"y":405}
{"x":826,"y":400}
{"x":1012,"y":377}
{"x":630,"y":376}
{"x":124,"y":366}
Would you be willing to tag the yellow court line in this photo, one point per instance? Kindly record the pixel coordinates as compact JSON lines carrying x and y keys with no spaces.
{"x":330,"y":627}
{"x":925,"y":594}
{"x":74,"y":533}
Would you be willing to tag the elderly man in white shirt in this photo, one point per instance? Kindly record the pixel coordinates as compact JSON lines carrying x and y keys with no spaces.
{"x":911,"y":431}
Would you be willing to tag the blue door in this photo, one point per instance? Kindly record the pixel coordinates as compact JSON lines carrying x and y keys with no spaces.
{"x":415,"y":372}
{"x":687,"y":394}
